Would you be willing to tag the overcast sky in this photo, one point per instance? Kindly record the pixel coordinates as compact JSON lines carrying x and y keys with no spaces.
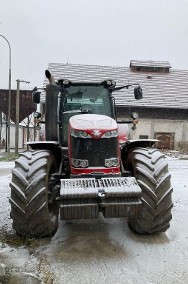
{"x":99,"y":32}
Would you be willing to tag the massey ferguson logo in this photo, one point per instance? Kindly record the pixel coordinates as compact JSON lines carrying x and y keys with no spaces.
{"x":96,"y":133}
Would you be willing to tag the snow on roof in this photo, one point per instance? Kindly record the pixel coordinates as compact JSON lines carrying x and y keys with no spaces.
{"x":160,"y":90}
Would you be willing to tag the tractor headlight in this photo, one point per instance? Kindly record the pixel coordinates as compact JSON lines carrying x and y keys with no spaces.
{"x":80,"y":134}
{"x":78,"y":163}
{"x":110,"y":134}
{"x":109,"y":83}
{"x":113,"y":162}
{"x":83,"y":134}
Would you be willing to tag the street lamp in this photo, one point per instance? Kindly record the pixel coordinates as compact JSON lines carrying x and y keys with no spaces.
{"x":18,"y":113}
{"x":9,"y":97}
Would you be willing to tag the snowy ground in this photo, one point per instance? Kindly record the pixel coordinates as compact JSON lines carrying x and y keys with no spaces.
{"x":102,"y":251}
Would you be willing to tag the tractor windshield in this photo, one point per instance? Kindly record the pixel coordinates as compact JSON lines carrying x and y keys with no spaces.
{"x":88,"y":99}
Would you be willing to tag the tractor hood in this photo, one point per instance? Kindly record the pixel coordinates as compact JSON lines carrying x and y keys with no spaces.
{"x":92,"y":121}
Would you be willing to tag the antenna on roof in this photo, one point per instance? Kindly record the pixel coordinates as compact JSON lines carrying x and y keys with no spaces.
{"x":68,"y":58}
{"x":151,"y":56}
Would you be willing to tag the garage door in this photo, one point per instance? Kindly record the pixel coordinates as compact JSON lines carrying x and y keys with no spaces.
{"x":166,"y":140}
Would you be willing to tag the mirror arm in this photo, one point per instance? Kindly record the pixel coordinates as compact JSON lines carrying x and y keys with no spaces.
{"x":36,"y":89}
{"x":126,"y":86}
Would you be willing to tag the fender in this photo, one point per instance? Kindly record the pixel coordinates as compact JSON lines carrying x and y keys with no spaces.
{"x":130,"y":144}
{"x":52,"y":146}
{"x":139,"y":143}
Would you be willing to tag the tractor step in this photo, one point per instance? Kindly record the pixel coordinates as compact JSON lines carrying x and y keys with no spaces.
{"x":85,"y":198}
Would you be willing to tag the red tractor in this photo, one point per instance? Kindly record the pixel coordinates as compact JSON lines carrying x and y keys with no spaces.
{"x":82,"y":170}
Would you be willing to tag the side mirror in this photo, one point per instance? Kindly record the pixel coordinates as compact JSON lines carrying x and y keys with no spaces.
{"x":36,"y":97}
{"x":138,"y":93}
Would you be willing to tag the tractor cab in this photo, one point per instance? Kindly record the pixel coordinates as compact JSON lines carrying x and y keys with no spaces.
{"x":66,"y":99}
{"x":87,"y":99}
{"x":83,"y":98}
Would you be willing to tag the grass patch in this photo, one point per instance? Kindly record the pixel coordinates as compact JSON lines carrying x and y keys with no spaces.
{"x":12,"y":239}
{"x":9,"y":157}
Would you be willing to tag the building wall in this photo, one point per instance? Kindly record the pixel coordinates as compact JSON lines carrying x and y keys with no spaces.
{"x":177,"y":127}
{"x":167,"y":121}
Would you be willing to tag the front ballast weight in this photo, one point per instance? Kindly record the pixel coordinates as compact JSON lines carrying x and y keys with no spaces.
{"x":86,"y":198}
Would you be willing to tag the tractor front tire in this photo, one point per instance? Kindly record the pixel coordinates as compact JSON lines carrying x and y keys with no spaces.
{"x":32,"y":213}
{"x":150,"y":169}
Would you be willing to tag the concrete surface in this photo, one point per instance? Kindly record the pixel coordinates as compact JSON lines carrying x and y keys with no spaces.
{"x":100,"y":251}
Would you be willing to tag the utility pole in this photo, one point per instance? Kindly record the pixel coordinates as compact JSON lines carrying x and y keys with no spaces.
{"x":18,"y":114}
{"x":9,"y":97}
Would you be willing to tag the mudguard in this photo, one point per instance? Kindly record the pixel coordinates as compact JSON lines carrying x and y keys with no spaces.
{"x":52,"y":146}
{"x":145,"y":143}
{"x":131,"y":144}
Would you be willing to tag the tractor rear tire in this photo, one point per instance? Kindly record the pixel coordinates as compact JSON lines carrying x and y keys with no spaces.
{"x":32,"y":213}
{"x":150,"y":169}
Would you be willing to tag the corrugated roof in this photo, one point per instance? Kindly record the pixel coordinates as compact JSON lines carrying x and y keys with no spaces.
{"x":162,"y":90}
